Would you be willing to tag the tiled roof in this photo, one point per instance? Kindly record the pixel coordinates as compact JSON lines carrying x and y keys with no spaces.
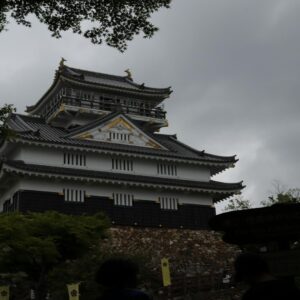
{"x":45,"y":133}
{"x":103,"y":81}
{"x":110,"y":80}
{"x":211,"y":187}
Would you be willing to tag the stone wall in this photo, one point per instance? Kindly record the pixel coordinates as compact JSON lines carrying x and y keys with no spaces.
{"x":198,"y":258}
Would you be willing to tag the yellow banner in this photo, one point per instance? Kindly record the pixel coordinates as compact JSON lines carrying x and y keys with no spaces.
{"x":165,"y":269}
{"x":4,"y":292}
{"x":73,"y":291}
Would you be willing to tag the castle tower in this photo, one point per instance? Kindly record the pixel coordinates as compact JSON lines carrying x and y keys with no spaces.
{"x":91,"y":144}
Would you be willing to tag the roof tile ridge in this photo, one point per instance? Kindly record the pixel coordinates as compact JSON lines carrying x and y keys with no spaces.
{"x":25,"y":124}
{"x":119,"y":78}
{"x":143,"y":86}
{"x":33,"y":119}
{"x":165,"y":134}
{"x":98,"y":74}
{"x":199,"y":152}
{"x":202,"y":152}
{"x":240,"y":183}
{"x":222,"y":156}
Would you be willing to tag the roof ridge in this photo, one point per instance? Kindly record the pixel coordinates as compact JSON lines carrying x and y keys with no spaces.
{"x":21,"y":163}
{"x":187,"y":146}
{"x":202,"y":152}
{"x":17,"y":124}
{"x":28,"y":116}
{"x":25,"y":124}
{"x":116,"y":77}
{"x":98,"y":74}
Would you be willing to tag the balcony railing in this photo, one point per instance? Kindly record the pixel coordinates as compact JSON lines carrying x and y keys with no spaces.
{"x":157,"y":113}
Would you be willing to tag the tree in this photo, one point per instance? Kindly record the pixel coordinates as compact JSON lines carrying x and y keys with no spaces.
{"x":281,"y":194}
{"x":237,"y":203}
{"x":5,"y":111}
{"x":36,"y":243}
{"x":288,"y":196}
{"x":113,"y":22}
{"x":83,"y":270}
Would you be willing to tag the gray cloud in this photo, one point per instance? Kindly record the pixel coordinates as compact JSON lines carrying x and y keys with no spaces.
{"x":233,"y":65}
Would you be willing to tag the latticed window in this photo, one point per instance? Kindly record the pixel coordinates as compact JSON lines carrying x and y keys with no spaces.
{"x":169,"y":203}
{"x":167,"y":169}
{"x":74,"y":159}
{"x":123,"y":199}
{"x":122,"y":164}
{"x":74,"y":195}
{"x":120,"y":137}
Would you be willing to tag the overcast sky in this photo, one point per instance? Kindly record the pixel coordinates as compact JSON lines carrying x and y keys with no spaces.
{"x":234,"y":67}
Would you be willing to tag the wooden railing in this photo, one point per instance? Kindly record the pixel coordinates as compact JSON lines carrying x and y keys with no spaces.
{"x":65,"y":96}
{"x":157,"y":113}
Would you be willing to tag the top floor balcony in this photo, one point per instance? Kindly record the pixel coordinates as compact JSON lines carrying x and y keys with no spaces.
{"x":89,"y":106}
{"x":111,"y":106}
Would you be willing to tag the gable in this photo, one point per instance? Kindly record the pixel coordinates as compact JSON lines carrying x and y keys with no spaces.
{"x":119,"y":130}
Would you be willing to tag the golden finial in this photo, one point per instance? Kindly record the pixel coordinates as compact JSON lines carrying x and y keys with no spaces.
{"x":129,"y":75}
{"x":62,"y":62}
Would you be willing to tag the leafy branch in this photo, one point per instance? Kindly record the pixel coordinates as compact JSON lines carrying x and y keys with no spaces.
{"x":113,"y":22}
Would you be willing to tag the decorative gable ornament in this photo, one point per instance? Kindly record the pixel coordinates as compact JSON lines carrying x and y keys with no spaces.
{"x":118,"y":129}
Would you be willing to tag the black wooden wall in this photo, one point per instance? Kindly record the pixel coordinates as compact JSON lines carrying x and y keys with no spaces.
{"x":142,"y":213}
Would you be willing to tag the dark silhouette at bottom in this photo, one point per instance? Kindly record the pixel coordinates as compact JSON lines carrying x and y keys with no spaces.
{"x":119,"y":279}
{"x":254,"y":271}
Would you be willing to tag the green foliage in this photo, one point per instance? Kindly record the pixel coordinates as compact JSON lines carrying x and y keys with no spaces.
{"x":238,"y":203}
{"x":83,"y":270}
{"x":80,"y":270}
{"x":5,"y":111}
{"x":113,"y":22}
{"x":288,"y":196}
{"x":35,"y":244}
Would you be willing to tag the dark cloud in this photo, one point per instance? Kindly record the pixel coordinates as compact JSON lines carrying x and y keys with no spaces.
{"x":233,"y":65}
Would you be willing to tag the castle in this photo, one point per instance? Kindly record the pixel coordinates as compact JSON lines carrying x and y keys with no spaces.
{"x":92,"y":143}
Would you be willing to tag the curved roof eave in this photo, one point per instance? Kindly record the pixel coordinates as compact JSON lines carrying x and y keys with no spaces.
{"x":31,"y":109}
{"x":160,"y":93}
{"x":107,"y":87}
{"x":124,"y":152}
{"x":231,"y":158}
{"x":79,"y":73}
{"x":211,"y":187}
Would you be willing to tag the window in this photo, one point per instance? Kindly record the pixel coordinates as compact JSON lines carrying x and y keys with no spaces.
{"x":119,"y":137}
{"x":122,"y":164}
{"x":74,"y":195}
{"x":167,"y":169}
{"x":74,"y":159}
{"x":168,"y":203}
{"x":121,"y":199}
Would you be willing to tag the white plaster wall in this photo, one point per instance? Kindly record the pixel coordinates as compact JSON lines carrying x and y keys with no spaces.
{"x":101,"y":162}
{"x":98,"y":162}
{"x":107,"y":190}
{"x":10,"y":151}
{"x":40,"y":156}
{"x":14,"y":154}
{"x":193,"y":172}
